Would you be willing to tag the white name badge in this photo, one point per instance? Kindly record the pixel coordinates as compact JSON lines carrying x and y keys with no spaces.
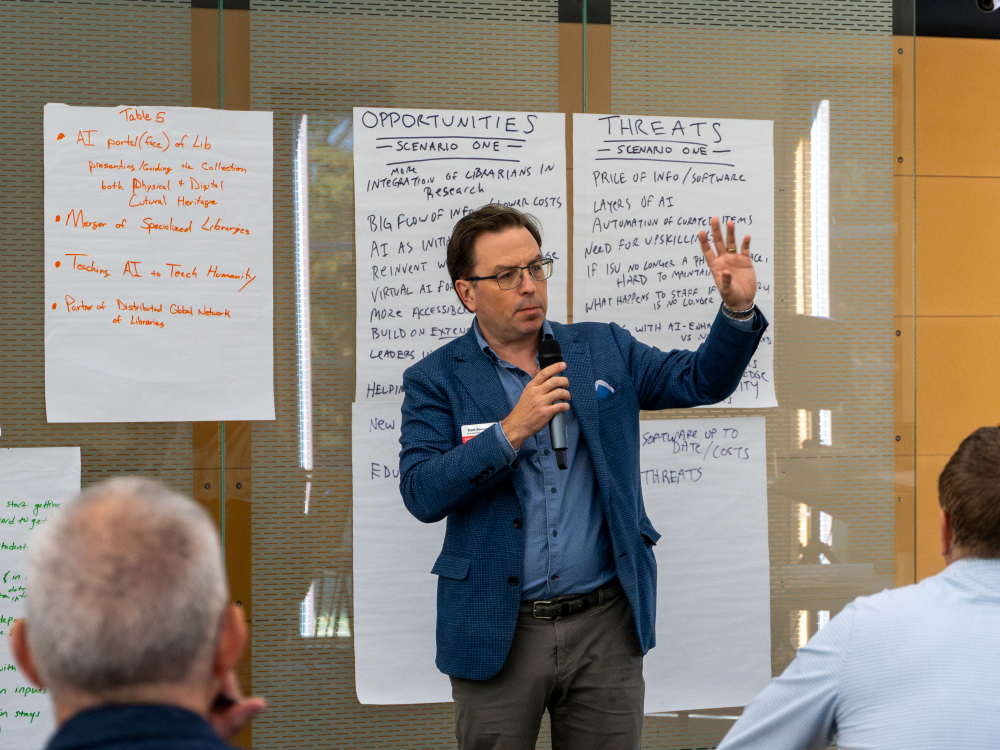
{"x":469,"y":431}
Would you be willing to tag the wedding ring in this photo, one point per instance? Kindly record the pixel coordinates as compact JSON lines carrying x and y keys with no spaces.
{"x":730,"y":249}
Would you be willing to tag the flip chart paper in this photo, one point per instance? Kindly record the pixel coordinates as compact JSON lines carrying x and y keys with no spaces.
{"x":34,"y":482}
{"x":643,"y":188}
{"x":416,"y":172}
{"x":158,"y":284}
{"x":704,"y":483}
{"x":394,"y":592}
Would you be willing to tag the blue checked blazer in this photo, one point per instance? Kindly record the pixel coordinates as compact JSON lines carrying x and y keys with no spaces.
{"x":479,"y":493}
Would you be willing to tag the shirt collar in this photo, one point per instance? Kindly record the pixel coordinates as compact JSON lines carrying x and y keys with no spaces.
{"x":111,"y":725}
{"x":976,"y":562}
{"x":546,"y":334}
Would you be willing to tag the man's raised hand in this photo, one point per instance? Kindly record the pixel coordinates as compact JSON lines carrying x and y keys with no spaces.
{"x":731,"y":267}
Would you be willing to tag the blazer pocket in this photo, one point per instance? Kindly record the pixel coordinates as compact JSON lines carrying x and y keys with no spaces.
{"x":647,"y":530}
{"x":609,"y":401}
{"x":450,"y":566}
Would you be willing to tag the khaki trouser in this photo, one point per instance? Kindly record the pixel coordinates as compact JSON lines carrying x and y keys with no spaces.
{"x":585,"y":669}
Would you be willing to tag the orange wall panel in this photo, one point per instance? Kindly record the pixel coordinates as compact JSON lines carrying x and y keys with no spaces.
{"x":956,"y":242}
{"x":902,"y":239}
{"x":956,"y":362}
{"x":957,"y":103}
{"x":928,"y":536}
{"x":902,"y":384}
{"x":905,"y":534}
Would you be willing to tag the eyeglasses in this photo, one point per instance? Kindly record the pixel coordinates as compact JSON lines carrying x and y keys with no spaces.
{"x":510,"y":278}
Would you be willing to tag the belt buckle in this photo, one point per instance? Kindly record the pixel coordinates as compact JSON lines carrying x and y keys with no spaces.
{"x":534,"y":609}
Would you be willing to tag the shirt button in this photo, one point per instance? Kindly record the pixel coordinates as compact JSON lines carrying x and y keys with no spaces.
{"x":553,"y":490}
{"x":555,"y":533}
{"x":517,"y":523}
{"x":546,"y":451}
{"x":512,"y":580}
{"x":554,"y":577}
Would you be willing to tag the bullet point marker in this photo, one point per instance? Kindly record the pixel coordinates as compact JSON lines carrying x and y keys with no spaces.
{"x":54,"y":305}
{"x":58,"y":264}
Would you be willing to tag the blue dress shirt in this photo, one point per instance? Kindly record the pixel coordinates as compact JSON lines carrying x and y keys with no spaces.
{"x":567,"y":544}
{"x":915,"y":668}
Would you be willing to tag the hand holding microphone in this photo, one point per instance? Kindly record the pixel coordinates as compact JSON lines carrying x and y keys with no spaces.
{"x":542,"y":399}
{"x":550,"y":353}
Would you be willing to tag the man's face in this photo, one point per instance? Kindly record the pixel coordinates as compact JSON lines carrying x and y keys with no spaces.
{"x":507,"y":316}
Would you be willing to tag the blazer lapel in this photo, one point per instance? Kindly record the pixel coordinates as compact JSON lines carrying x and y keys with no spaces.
{"x":580,"y":371}
{"x":477,"y":374}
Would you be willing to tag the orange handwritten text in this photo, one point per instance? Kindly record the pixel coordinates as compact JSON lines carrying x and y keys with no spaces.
{"x":106,"y":165}
{"x":180,"y":310}
{"x":198,"y":201}
{"x":92,"y":266}
{"x":77,"y":218}
{"x":176,"y":273}
{"x":149,"y":225}
{"x":145,"y":322}
{"x":72,"y":306}
{"x":126,"y":141}
{"x":145,"y":167}
{"x":220,"y":167}
{"x":215,"y":273}
{"x":138,"y":185}
{"x":218,"y":226}
{"x":134,"y":202}
{"x":132,"y":114}
{"x":214,"y":313}
{"x":211,"y":185}
{"x":147,"y":140}
{"x":140,"y":306}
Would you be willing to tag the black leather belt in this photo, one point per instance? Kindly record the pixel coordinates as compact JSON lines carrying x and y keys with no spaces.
{"x":549,"y":609}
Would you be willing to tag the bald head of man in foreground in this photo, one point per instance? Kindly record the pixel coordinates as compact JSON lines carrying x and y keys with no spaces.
{"x":129,"y":626}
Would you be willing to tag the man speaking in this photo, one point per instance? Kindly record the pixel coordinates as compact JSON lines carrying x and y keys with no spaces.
{"x":547,"y":581}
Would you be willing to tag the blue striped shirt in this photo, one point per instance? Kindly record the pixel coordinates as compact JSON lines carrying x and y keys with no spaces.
{"x":915,"y":668}
{"x":567,"y":544}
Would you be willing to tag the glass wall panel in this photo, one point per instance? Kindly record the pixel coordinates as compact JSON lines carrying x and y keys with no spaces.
{"x":832,"y":76}
{"x":321,"y":60}
{"x":89,"y":54}
{"x":823,"y":73}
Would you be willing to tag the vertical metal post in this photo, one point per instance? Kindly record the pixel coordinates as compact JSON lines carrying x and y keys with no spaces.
{"x":584,"y":55}
{"x":221,"y":100}
{"x":222,"y":487}
{"x":222,"y":425}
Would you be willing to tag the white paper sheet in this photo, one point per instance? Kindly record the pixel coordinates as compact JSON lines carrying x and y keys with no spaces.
{"x":705,"y":489}
{"x":395,"y":594}
{"x":643,"y":188}
{"x":34,"y":482}
{"x":416,"y":172}
{"x":704,"y":483}
{"x":158,"y":284}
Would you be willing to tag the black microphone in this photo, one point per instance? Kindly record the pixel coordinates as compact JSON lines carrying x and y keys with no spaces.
{"x":549,"y":352}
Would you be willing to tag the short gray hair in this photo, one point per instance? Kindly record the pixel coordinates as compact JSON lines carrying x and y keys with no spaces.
{"x":125,"y":587}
